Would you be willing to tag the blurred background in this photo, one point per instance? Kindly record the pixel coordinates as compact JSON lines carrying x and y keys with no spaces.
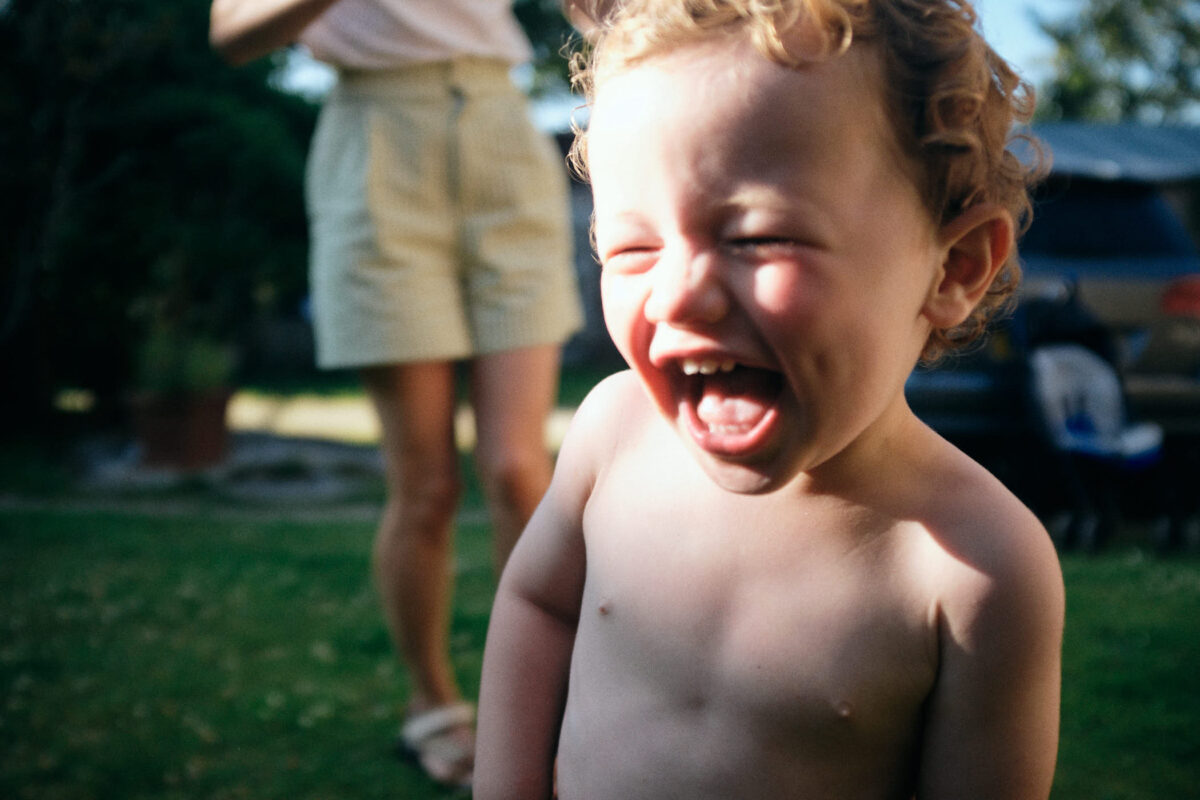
{"x":155,"y":246}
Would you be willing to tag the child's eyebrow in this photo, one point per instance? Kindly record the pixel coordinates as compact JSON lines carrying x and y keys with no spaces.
{"x":779,"y":201}
{"x":757,"y":196}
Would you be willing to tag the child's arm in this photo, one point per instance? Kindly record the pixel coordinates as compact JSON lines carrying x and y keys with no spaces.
{"x":532,"y":629}
{"x":992,"y":722}
{"x":243,"y":30}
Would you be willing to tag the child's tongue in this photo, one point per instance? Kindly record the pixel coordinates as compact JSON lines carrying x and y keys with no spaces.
{"x":737,"y":400}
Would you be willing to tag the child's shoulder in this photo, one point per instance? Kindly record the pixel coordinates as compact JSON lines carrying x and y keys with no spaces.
{"x":963,"y":492}
{"x":620,"y":388}
{"x":608,"y":415}
{"x":618,"y":400}
{"x":997,"y":549}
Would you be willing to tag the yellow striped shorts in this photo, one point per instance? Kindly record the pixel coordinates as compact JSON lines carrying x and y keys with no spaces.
{"x":439,"y":219}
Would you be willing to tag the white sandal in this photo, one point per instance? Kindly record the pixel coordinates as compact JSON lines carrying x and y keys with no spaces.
{"x":427,"y":740}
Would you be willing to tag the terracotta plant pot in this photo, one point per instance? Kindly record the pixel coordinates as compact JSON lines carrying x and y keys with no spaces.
{"x":182,"y":430}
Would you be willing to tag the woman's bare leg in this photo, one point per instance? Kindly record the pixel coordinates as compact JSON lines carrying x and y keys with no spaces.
{"x":412,"y":555}
{"x":513,"y":393}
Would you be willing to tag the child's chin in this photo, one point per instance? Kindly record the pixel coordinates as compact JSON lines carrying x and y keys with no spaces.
{"x":744,"y":478}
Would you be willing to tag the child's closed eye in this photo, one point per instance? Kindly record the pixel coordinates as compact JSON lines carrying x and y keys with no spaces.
{"x":764,"y":246}
{"x":630,"y":259}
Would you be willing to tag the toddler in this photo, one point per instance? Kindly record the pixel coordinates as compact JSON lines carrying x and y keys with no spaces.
{"x":756,"y":574}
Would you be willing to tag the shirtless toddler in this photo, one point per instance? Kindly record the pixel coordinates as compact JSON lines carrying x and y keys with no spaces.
{"x":756,"y":573}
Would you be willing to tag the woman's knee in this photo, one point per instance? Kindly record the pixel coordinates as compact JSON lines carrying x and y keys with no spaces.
{"x":514,"y":477}
{"x":427,"y":497}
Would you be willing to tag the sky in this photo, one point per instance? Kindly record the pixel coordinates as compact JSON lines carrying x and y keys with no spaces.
{"x":1009,"y":28}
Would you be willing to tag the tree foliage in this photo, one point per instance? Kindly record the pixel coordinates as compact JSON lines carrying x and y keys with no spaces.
{"x":144,"y":186}
{"x":549,"y":32}
{"x":149,"y":193}
{"x":1125,"y":60}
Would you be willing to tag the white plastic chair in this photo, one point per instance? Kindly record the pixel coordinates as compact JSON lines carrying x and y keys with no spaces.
{"x":1082,"y":408}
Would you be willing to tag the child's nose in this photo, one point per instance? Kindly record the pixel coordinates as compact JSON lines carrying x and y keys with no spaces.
{"x":686,"y":289}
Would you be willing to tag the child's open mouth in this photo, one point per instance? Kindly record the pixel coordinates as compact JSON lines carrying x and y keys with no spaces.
{"x":729,"y":406}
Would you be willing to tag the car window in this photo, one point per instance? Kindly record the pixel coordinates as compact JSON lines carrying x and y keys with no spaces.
{"x":1088,"y":219}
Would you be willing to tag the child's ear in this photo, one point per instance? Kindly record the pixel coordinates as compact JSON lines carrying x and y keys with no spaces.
{"x":975,"y":245}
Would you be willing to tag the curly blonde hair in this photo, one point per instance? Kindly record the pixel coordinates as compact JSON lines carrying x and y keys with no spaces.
{"x":954,"y":101}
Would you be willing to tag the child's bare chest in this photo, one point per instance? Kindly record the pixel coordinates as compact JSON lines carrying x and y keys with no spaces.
{"x":754,"y":613}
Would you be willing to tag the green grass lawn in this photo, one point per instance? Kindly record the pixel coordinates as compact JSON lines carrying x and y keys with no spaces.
{"x":192,"y":656}
{"x":228,"y":655}
{"x":1131,"y":678}
{"x":188,"y":645}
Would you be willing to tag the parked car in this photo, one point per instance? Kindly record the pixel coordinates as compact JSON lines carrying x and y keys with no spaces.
{"x":1107,"y":258}
{"x":1109,"y":264}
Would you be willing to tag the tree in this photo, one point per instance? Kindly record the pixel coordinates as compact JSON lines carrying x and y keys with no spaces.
{"x":144,"y":187}
{"x":149,"y":193}
{"x":1125,"y":60}
{"x":548,"y":31}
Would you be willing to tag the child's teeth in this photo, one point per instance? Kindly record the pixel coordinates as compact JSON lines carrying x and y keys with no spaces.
{"x":708,"y":366}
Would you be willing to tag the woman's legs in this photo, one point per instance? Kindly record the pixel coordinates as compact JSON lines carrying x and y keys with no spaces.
{"x":412,"y":554}
{"x":512,"y":393}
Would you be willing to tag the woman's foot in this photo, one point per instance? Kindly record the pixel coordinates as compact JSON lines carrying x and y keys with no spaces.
{"x":441,"y":740}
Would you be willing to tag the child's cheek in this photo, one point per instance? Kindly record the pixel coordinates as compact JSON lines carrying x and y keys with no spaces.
{"x":789,"y":294}
{"x":622,"y":298}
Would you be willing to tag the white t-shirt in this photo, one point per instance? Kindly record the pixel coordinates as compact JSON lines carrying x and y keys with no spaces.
{"x":379,"y":34}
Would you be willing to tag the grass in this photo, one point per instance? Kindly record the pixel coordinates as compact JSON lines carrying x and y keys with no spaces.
{"x":1131,"y":697}
{"x":189,"y":645}
{"x":185,"y":656}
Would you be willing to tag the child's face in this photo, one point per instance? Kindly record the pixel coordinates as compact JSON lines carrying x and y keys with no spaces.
{"x":754,"y":222}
